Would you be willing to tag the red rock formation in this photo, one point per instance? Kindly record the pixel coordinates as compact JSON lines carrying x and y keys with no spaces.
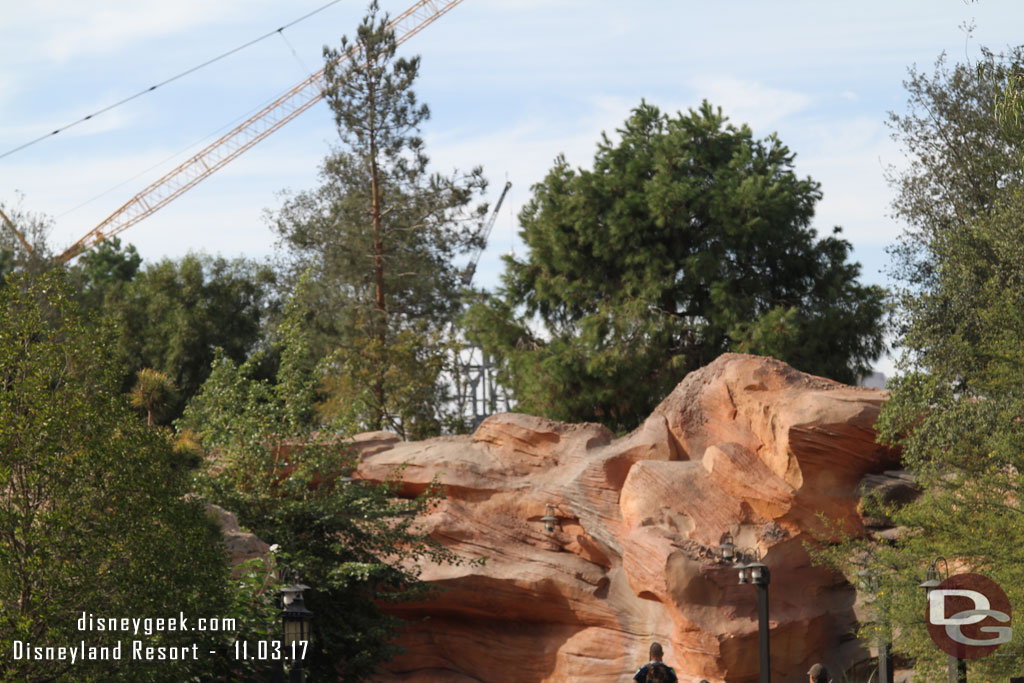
{"x":240,"y":545}
{"x":746,"y":445}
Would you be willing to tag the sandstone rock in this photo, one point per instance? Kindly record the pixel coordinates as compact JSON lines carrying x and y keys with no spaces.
{"x":746,"y":445}
{"x":896,"y":488}
{"x":240,"y":545}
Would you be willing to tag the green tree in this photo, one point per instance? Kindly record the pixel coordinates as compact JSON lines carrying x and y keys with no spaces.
{"x":19,"y":229}
{"x":687,"y":239}
{"x":379,"y":236}
{"x":955,"y":409}
{"x":172,"y":315}
{"x":275,"y":464}
{"x":93,"y":513}
{"x":962,"y":155}
{"x":104,"y":271}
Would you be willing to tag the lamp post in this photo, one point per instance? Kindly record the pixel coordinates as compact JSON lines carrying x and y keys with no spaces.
{"x":868,"y":580}
{"x":761,"y":577}
{"x":296,"y":628}
{"x":726,"y":548}
{"x":957,"y":667}
{"x":752,"y":570}
{"x":550,"y":520}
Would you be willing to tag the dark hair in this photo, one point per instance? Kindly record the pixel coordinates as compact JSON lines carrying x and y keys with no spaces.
{"x":656,"y":650}
{"x":818,"y":673}
{"x":658,"y":673}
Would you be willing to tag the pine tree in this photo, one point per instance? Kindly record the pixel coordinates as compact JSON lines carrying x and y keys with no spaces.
{"x":378,"y":237}
{"x":688,"y":238}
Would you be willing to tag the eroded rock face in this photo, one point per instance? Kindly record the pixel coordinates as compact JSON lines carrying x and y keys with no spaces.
{"x":240,"y":545}
{"x":746,"y":445}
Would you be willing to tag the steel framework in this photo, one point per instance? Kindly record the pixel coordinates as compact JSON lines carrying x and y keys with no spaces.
{"x":243,"y":136}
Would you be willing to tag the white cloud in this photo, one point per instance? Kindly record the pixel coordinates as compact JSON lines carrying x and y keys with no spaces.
{"x":848,"y":157}
{"x":60,"y":31}
{"x":746,"y":101}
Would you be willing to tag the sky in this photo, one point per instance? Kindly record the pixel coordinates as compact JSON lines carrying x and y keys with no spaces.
{"x":511,"y":84}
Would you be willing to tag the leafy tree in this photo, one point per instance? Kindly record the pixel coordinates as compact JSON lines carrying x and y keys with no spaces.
{"x":275,"y":464}
{"x":687,"y":239}
{"x":955,"y":410}
{"x":172,"y":315}
{"x":93,"y":513}
{"x":19,"y":228}
{"x":960,"y":155}
{"x":380,"y":234}
{"x":107,"y":266}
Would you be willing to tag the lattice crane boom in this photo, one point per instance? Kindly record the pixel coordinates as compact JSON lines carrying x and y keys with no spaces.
{"x":243,"y":136}
{"x":471,"y":268}
{"x":17,"y":233}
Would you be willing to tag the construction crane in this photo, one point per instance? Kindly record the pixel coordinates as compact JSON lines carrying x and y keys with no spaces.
{"x":17,"y":233}
{"x":471,"y":268}
{"x":477,"y":393}
{"x":246,"y":134}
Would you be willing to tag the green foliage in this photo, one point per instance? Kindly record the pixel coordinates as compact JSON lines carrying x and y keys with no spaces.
{"x":955,"y":411}
{"x":34,"y":229}
{"x":394,"y":381}
{"x":93,"y":513}
{"x":687,"y":239}
{"x":355,"y":543}
{"x":972,"y":519}
{"x":255,"y":607}
{"x":379,"y":236}
{"x":172,"y":315}
{"x":960,"y":156}
{"x":152,"y":393}
{"x":106,"y":264}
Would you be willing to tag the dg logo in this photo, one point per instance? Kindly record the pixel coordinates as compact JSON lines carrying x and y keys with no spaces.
{"x":968,"y":616}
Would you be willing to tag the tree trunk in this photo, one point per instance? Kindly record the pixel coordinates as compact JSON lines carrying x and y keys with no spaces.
{"x":379,"y":326}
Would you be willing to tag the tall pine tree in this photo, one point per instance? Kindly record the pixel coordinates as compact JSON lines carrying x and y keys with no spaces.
{"x":378,"y":237}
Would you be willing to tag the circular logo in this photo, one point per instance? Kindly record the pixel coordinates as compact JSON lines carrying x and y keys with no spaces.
{"x":968,"y":616}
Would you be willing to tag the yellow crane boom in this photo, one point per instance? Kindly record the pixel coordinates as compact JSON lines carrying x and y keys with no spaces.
{"x":17,"y":233}
{"x":243,"y":136}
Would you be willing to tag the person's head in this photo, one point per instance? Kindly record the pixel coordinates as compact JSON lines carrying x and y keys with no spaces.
{"x":656,"y":652}
{"x":817,"y":674}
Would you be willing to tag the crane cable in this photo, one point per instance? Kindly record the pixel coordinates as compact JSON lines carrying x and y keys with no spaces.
{"x":169,"y":80}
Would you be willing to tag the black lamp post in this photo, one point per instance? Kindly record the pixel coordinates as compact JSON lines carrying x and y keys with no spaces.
{"x":957,"y":667}
{"x":868,"y":580}
{"x":761,"y":577}
{"x":296,"y":629}
{"x":752,"y":570}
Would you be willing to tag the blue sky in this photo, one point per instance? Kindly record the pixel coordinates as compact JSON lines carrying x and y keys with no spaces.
{"x":511,"y":84}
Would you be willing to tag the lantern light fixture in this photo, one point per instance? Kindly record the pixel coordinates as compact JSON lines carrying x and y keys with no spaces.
{"x":550,"y":520}
{"x":296,"y":628}
{"x":727,"y":548}
{"x":932,"y":579}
